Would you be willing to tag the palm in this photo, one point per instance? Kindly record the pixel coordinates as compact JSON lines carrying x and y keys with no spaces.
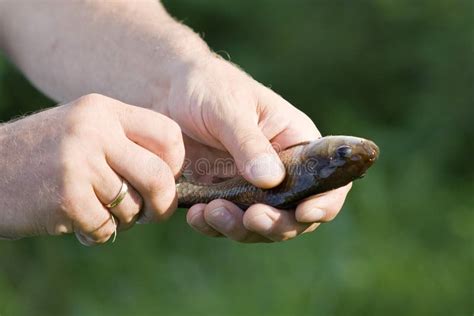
{"x":205,"y":163}
{"x":229,"y":120}
{"x":233,"y":116}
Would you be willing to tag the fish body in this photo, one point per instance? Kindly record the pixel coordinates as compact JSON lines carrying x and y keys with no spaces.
{"x":311,"y":168}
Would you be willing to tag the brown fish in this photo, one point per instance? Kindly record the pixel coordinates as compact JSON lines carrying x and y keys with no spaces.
{"x":311,"y":168}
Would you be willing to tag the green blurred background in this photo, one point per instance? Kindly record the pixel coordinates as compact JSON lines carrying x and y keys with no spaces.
{"x":398,"y":72}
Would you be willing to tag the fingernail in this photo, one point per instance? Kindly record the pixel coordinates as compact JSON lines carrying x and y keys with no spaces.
{"x":195,"y":221}
{"x":314,"y":215}
{"x":266,"y":168}
{"x":221,"y":219}
{"x":142,"y":219}
{"x":262,"y":223}
{"x":84,"y":240}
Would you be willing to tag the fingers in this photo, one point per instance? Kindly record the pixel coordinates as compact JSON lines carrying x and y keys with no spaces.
{"x":92,"y":222}
{"x":195,"y":218}
{"x":107,"y":186}
{"x":256,"y":159}
{"x":263,"y":223}
{"x":226,"y":218}
{"x":260,"y":223}
{"x":149,"y":160}
{"x":274,"y":224}
{"x":283,"y":123}
{"x":222,"y":218}
{"x":322,"y":208}
{"x":155,"y":132}
{"x":149,"y":175}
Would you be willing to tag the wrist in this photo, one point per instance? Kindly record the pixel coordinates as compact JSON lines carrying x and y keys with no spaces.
{"x":185,"y":51}
{"x":185,"y":46}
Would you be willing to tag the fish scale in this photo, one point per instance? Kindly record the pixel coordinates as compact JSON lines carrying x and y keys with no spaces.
{"x":311,"y":168}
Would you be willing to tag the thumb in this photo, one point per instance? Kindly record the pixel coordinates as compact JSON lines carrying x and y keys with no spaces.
{"x":255,"y":157}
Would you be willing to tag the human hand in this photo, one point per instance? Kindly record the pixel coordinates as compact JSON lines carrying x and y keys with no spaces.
{"x":225,"y":113}
{"x":61,"y":166}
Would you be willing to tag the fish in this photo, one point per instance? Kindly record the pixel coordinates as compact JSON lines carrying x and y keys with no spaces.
{"x":311,"y":167}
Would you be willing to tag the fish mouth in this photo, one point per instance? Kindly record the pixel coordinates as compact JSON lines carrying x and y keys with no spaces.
{"x":372,"y":150}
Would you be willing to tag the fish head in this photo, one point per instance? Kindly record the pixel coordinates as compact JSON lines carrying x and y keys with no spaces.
{"x":338,"y":160}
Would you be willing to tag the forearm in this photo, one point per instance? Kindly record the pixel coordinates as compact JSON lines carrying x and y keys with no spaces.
{"x":128,"y":50}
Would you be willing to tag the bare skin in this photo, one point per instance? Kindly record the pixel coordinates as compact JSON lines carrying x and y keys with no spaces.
{"x":135,"y":52}
{"x":59,"y":167}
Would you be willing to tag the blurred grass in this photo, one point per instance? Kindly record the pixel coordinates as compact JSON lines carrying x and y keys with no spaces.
{"x":398,"y":72}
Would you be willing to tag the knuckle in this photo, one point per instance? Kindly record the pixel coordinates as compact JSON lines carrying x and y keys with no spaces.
{"x":175,"y":142}
{"x":177,"y":150}
{"x":174,"y":130}
{"x":161,"y":195}
{"x":168,"y":127}
{"x":129,"y":217}
{"x":161,"y":179}
{"x":155,"y":184}
{"x":246,"y":139}
{"x":163,"y":204}
{"x":103,"y":234}
{"x":249,"y":220}
{"x":175,"y":159}
{"x":92,"y":99}
{"x":129,"y":210}
{"x":86,"y":109}
{"x":173,"y":136}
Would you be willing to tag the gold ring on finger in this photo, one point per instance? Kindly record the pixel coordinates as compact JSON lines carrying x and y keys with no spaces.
{"x":120,"y":196}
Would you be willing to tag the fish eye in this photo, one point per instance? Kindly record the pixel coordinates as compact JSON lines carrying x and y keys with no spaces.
{"x":344,"y":151}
